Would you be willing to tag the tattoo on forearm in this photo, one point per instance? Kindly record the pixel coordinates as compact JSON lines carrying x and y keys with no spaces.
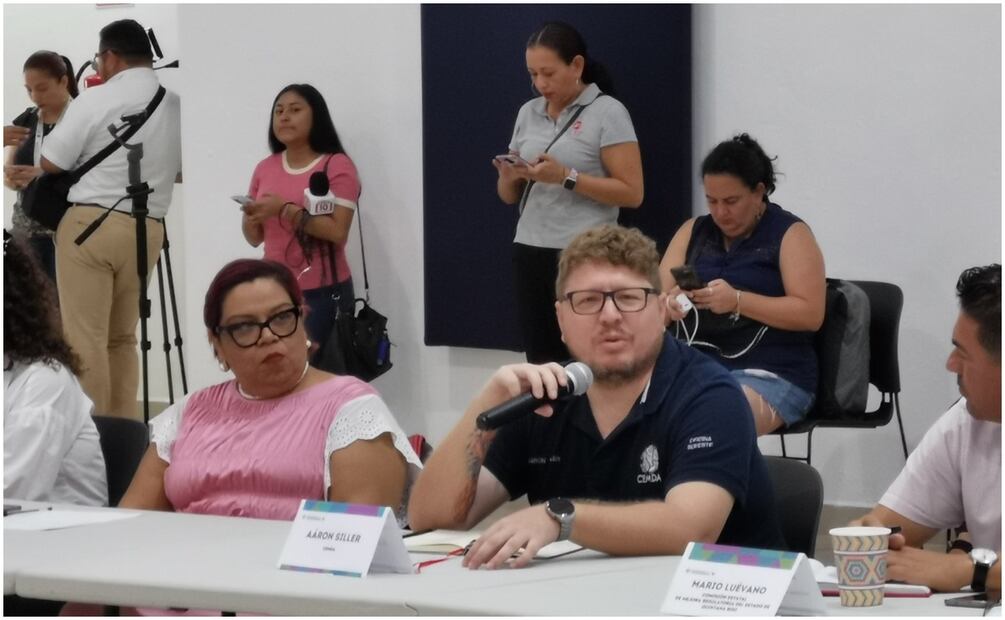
{"x":474,"y":457}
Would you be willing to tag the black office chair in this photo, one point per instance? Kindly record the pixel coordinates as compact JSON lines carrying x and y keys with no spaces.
{"x":799,"y":500}
{"x":886,"y":301}
{"x":123,"y":443}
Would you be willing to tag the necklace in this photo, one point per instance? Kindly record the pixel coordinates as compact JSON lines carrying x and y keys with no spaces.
{"x":241,"y":391}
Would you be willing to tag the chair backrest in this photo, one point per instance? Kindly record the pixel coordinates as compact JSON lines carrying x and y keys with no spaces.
{"x":886,"y":301}
{"x":123,"y":443}
{"x":799,"y":497}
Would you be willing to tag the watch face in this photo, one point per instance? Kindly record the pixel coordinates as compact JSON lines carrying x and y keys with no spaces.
{"x":560,"y":506}
{"x":984,"y":556}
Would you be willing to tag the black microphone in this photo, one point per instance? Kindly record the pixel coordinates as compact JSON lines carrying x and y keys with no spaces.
{"x":579,"y":376}
{"x":318,"y":197}
{"x":153,"y":42}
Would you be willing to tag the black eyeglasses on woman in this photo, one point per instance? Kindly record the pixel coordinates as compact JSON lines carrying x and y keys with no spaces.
{"x":247,"y":333}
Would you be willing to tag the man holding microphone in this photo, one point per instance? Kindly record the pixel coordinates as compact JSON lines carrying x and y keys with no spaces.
{"x":660,"y":451}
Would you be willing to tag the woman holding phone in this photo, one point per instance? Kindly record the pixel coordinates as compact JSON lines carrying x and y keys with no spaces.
{"x":304,"y":143}
{"x":573,"y":161}
{"x":755,"y":276}
{"x":48,"y":78}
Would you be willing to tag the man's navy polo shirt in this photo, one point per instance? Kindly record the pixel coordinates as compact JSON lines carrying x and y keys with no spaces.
{"x":692,"y":423}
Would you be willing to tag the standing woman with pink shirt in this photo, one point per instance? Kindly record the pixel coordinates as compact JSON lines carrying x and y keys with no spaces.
{"x":303,"y":141}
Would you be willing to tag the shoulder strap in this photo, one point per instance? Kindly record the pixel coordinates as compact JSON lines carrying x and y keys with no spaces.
{"x":362,"y":249}
{"x":115,"y":144}
{"x":572,"y":119}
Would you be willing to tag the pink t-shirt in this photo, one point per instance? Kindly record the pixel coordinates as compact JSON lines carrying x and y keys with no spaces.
{"x":272,"y":176}
{"x":255,"y":458}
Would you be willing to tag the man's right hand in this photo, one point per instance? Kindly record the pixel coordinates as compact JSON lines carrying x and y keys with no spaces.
{"x":897,"y":541}
{"x":516,"y":379}
{"x":14,"y":135}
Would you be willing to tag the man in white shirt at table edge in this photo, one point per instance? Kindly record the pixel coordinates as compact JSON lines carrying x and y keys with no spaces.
{"x":954,"y":475}
{"x":660,"y":451}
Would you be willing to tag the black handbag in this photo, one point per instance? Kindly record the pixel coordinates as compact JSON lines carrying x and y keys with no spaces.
{"x":358,"y":344}
{"x":45,"y":198}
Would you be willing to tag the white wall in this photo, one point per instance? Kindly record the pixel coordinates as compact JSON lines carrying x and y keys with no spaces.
{"x":887,"y":123}
{"x":886,"y":120}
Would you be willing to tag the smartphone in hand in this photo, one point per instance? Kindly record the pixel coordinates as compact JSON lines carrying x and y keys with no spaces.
{"x":687,"y":278}
{"x":242,"y":200}
{"x":513,"y":159}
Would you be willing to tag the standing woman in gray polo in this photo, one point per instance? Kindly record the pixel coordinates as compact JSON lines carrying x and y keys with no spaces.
{"x":591,"y":168}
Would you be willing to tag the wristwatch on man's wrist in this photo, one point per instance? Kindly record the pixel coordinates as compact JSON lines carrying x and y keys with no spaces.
{"x":570,"y":181}
{"x":983,"y":559}
{"x":563,"y":512}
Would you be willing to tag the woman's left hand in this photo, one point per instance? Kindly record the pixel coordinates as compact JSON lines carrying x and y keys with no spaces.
{"x":717,"y":296}
{"x":547,"y":170}
{"x":262,"y":209}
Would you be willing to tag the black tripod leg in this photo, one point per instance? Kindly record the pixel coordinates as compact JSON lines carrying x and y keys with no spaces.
{"x":164,"y":327}
{"x":174,"y":312}
{"x":141,"y":269}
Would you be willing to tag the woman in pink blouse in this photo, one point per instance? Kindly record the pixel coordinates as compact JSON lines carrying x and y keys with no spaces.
{"x":304,"y":142}
{"x":280,"y":431}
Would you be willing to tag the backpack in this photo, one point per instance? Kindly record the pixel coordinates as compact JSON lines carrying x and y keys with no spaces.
{"x":842,"y":345}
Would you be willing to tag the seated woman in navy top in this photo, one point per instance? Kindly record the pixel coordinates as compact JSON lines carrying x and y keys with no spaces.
{"x":762,"y":289}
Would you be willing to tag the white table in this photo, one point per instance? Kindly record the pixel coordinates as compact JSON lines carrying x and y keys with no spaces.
{"x":626,"y":587}
{"x":204,"y":562}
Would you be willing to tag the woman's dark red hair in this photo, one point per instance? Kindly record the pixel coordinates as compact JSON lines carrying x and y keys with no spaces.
{"x":245,"y":270}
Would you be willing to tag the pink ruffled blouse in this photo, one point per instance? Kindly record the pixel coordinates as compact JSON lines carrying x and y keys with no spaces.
{"x":232,"y":456}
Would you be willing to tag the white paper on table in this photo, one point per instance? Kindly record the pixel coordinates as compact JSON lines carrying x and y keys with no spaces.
{"x":55,"y":519}
{"x":445,"y":541}
{"x":557,"y":549}
{"x":439,"y":541}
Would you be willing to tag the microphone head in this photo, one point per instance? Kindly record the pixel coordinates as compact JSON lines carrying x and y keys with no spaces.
{"x":580,"y":376}
{"x":319,"y":184}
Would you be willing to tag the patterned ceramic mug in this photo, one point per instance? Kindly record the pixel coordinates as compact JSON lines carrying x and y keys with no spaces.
{"x":860,"y":554}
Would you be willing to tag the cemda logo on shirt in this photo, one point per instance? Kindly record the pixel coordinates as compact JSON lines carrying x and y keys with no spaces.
{"x":649,"y":462}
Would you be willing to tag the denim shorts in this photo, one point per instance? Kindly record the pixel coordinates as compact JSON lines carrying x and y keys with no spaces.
{"x":789,"y":400}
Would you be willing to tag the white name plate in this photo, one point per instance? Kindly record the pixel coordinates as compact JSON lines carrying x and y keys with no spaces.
{"x":721,"y":580}
{"x":344,"y":539}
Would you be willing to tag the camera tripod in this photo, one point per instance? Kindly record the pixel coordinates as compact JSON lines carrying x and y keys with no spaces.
{"x":138,"y":191}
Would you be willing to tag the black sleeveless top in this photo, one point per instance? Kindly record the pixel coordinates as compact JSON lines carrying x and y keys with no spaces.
{"x":750,"y":264}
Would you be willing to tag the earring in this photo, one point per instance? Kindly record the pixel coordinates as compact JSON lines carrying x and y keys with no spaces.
{"x":309,"y":343}
{"x":223,"y":366}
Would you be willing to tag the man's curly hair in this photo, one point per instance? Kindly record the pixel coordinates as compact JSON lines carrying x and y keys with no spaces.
{"x":32,"y":331}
